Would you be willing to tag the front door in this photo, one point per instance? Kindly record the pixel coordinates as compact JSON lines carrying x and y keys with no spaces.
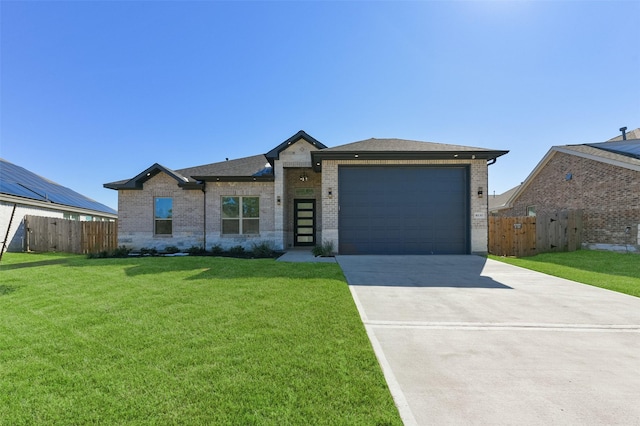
{"x":304,"y":222}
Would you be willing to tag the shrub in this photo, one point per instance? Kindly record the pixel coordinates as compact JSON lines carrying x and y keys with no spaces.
{"x":121,"y":251}
{"x":145,"y":251}
{"x":171,"y":249}
{"x":217,"y":250}
{"x":325,"y":249}
{"x":236,"y":251}
{"x":98,"y":255}
{"x":263,"y":249}
{"x":196,"y":251}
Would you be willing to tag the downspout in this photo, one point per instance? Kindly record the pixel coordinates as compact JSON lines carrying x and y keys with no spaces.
{"x":490,"y":162}
{"x":204,"y":215}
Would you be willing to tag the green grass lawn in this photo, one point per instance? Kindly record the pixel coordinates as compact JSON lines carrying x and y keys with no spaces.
{"x":187,"y":340}
{"x":614,"y":271}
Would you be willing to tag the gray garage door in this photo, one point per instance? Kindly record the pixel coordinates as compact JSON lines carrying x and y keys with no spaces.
{"x":403,"y":210}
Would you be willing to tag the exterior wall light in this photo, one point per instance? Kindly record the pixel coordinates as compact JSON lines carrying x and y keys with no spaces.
{"x":480,"y":192}
{"x":279,"y":200}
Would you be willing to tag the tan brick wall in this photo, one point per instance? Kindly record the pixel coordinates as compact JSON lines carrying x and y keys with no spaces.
{"x":608,"y":195}
{"x":136,"y":215}
{"x":215,"y":192}
{"x":478,"y":206}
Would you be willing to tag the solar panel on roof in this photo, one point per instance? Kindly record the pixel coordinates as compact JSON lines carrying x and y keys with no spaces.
{"x":20,"y":182}
{"x":629,"y":148}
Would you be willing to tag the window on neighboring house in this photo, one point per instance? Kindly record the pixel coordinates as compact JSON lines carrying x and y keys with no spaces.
{"x":531,"y":210}
{"x":240,"y":215}
{"x":163,"y":216}
{"x":71,"y":216}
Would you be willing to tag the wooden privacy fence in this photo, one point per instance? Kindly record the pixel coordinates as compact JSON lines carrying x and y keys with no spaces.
{"x":530,"y":235}
{"x":46,"y":234}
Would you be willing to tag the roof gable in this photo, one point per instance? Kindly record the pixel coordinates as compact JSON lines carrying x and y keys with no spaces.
{"x":587,"y":151}
{"x":138,"y":181}
{"x":274,"y":154}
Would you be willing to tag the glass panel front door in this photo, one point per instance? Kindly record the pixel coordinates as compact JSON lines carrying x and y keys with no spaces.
{"x":304,"y":222}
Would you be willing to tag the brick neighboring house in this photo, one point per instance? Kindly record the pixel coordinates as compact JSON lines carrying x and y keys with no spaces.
{"x":371,"y":196}
{"x":601,"y":179}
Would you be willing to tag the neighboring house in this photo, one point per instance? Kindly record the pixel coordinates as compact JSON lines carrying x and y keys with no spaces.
{"x":372,"y":196}
{"x":499,"y":202}
{"x":601,"y":179}
{"x":25,"y":193}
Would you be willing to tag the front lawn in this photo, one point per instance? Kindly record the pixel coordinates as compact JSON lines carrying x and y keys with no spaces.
{"x":187,"y":340}
{"x":614,"y":271}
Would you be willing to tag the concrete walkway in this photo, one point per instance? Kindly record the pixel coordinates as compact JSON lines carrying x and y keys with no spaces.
{"x":466,"y":340}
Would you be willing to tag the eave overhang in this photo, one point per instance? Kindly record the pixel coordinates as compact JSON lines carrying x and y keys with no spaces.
{"x":268,"y":178}
{"x":137,"y":183}
{"x":318,"y":156}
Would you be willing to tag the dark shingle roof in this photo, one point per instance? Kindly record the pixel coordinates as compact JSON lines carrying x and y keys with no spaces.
{"x":401,"y":149}
{"x":247,"y":166}
{"x":497,"y":202}
{"x":20,"y":182}
{"x":400,"y":145}
{"x":628,"y":148}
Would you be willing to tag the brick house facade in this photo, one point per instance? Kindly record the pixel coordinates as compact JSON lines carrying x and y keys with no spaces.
{"x":602,"y":180}
{"x":290,"y":197}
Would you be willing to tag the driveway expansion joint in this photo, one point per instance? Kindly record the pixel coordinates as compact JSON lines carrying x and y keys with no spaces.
{"x":504,"y":326}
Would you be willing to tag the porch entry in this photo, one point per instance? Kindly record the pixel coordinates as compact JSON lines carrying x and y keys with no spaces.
{"x":305,"y":222}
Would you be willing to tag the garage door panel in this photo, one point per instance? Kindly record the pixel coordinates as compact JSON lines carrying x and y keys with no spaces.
{"x":403,"y":210}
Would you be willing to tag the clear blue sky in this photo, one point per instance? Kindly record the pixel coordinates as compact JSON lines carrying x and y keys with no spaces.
{"x":94,"y":92}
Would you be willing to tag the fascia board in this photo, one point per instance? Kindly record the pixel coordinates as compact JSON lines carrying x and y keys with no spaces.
{"x":234,"y":178}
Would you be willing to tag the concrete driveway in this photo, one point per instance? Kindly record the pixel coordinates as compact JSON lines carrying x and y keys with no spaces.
{"x":466,"y":340}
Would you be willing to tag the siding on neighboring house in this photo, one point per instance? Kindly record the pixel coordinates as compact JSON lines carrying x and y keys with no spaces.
{"x":608,"y":195}
{"x":16,"y":237}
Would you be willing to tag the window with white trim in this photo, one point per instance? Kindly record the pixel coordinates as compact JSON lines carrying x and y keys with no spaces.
{"x":240,"y":215}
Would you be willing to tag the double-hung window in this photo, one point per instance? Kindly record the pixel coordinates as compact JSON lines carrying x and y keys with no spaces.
{"x":240,"y":215}
{"x":163,"y":216}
